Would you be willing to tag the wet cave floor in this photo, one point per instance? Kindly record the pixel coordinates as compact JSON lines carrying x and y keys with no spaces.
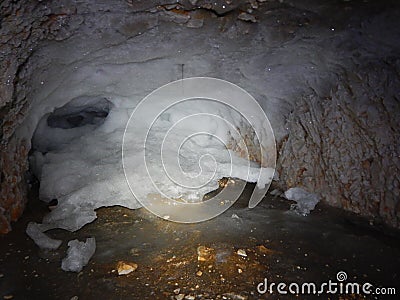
{"x":280,"y":246}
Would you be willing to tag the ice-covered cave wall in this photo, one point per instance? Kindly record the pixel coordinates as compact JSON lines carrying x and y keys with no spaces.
{"x":327,"y":75}
{"x":23,"y":26}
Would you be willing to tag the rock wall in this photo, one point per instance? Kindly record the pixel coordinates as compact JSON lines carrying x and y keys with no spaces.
{"x":23,"y":26}
{"x":346,"y":146}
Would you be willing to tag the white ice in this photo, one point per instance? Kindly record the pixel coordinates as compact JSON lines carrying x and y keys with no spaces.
{"x":305,"y":201}
{"x":81,"y":166}
{"x":78,"y":255}
{"x":36,"y":232}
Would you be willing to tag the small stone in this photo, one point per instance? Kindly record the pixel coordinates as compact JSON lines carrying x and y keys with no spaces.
{"x":189,"y":297}
{"x":264,"y":249}
{"x":235,"y":216}
{"x":180,"y":297}
{"x":171,"y":6}
{"x":223,"y":182}
{"x":125,"y":268}
{"x":8,"y":297}
{"x":1,"y":275}
{"x":199,"y":273}
{"x":240,"y":271}
{"x":247,"y":17}
{"x":74,"y":298}
{"x":195,"y":23}
{"x":241,"y":252}
{"x":235,"y":296}
{"x":134,"y":251}
{"x":176,"y":291}
{"x":204,"y":253}
{"x":275,"y":192}
{"x":254,"y":4}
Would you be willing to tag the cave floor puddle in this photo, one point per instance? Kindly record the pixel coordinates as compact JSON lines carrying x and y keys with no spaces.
{"x":280,"y":246}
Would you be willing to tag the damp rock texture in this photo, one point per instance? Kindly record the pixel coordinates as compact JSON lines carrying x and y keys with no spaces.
{"x":346,"y":145}
{"x":345,"y":142}
{"x":23,"y":25}
{"x":327,"y":76}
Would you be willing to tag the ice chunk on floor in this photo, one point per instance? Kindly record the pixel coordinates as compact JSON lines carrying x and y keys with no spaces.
{"x":36,"y":233}
{"x":78,"y":255}
{"x":305,"y":201}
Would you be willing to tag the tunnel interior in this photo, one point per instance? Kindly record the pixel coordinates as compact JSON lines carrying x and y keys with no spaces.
{"x":292,"y":102}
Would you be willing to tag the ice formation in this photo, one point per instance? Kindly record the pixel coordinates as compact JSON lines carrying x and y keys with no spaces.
{"x":78,"y":254}
{"x":35,"y":232}
{"x":78,"y":155}
{"x":181,"y":145}
{"x":305,"y":201}
{"x":86,"y":88}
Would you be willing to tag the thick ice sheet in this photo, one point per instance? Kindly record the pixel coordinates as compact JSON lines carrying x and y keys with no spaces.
{"x":81,"y":167}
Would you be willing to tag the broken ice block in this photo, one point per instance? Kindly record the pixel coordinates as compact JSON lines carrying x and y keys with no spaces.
{"x":305,"y":201}
{"x":35,"y":232}
{"x":78,"y":255}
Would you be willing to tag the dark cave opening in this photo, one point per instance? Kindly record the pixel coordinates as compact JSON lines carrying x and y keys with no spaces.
{"x":75,"y":114}
{"x":73,"y":120}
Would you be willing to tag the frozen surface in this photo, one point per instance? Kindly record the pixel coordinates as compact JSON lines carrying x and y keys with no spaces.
{"x":305,"y":201}
{"x":81,"y":166}
{"x":78,"y":255}
{"x":181,"y":145}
